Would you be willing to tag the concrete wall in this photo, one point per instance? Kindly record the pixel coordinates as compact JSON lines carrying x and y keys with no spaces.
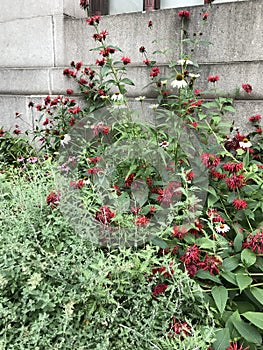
{"x":39,"y":39}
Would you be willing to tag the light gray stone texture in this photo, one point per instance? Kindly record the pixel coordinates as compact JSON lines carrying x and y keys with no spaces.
{"x":27,"y":42}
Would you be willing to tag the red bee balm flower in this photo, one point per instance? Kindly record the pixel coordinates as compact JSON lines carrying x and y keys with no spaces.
{"x":126,"y":60}
{"x":213,"y":78}
{"x":155,"y":71}
{"x":159,"y":289}
{"x":235,"y":181}
{"x":247,"y":88}
{"x":184,"y":14}
{"x":239,"y":204}
{"x":210,"y":160}
{"x":53,"y":199}
{"x":255,"y":118}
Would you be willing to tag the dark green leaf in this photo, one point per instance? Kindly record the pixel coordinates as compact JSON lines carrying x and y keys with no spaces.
{"x":248,"y":257}
{"x":243,"y":281}
{"x":222,"y":339}
{"x":245,"y":330}
{"x":254,"y":317}
{"x":220,"y":295}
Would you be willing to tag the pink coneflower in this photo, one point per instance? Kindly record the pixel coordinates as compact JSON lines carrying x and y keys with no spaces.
{"x":239,"y":204}
{"x":213,"y":78}
{"x":247,"y":88}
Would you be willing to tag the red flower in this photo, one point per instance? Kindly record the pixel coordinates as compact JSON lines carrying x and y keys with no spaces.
{"x":72,"y":121}
{"x":101,"y":62}
{"x":126,"y":60}
{"x":147,"y":62}
{"x":94,"y":171}
{"x":184,"y":14}
{"x":247,"y":88}
{"x":93,"y":20}
{"x":17,"y":131}
{"x":235,"y":181}
{"x":129,"y":179}
{"x":84,"y":4}
{"x":78,"y":184}
{"x":239,"y":204}
{"x":234,"y":346}
{"x":2,"y":132}
{"x":69,"y":91}
{"x":79,"y":65}
{"x":150,"y":24}
{"x":211,"y":264}
{"x":255,"y":118}
{"x":232,"y":167}
{"x":155,"y":71}
{"x":191,"y":255}
{"x":82,"y":81}
{"x":141,"y":221}
{"x":104,"y":215}
{"x":159,"y":289}
{"x":254,"y":242}
{"x":142,"y":49}
{"x":179,"y":327}
{"x":45,"y":122}
{"x":213,"y":78}
{"x":53,"y":199}
{"x":179,"y":231}
{"x":210,"y":160}
{"x":107,"y":51}
{"x":205,"y":16}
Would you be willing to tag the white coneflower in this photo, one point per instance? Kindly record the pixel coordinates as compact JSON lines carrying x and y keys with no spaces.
{"x":245,"y":143}
{"x":155,"y":106}
{"x":194,"y":76}
{"x":222,"y":228}
{"x":179,"y":82}
{"x":184,"y":61}
{"x":64,"y":139}
{"x":140,"y":98}
{"x":117,"y":97}
{"x":164,"y":144}
{"x":163,"y":82}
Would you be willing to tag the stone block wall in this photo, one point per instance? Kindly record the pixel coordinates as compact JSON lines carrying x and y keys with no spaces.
{"x":39,"y":39}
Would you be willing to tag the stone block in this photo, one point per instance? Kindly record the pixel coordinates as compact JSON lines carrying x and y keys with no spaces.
{"x":130,"y":31}
{"x":27,"y":42}
{"x":24,"y":81}
{"x":17,"y":9}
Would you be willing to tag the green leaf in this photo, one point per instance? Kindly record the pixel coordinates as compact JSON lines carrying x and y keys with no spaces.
{"x":159,"y":242}
{"x":250,"y":333}
{"x":230,"y":277}
{"x":254,"y":317}
{"x":229,"y":109}
{"x":248,"y":257}
{"x":207,"y":276}
{"x":127,"y":81}
{"x":220,"y":295}
{"x":257,"y":293}
{"x":229,"y":264}
{"x":222,"y":339}
{"x":243,"y":281}
{"x":206,"y":243}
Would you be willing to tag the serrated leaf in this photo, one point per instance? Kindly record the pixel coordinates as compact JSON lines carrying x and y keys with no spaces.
{"x":254,"y":317}
{"x":250,"y":333}
{"x":220,"y":295}
{"x":243,"y":281}
{"x":248,"y":257}
{"x":257,"y":293}
{"x":222,"y":339}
